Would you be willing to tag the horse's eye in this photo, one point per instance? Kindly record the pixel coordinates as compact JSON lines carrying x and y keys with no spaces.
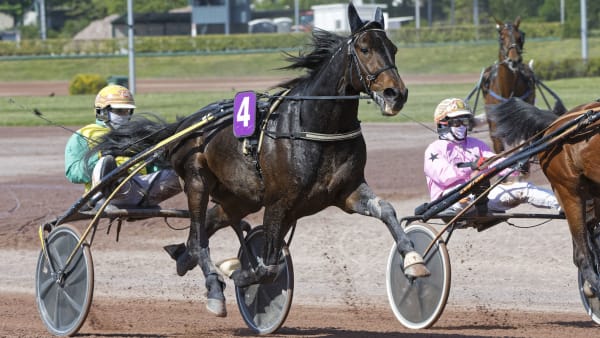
{"x":364,"y":50}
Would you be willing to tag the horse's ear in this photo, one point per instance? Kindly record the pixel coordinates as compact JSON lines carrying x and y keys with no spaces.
{"x":353,"y":18}
{"x":379,"y":17}
{"x":499,"y":23}
{"x":517,"y":22}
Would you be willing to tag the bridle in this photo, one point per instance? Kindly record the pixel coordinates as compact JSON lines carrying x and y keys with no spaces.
{"x":364,"y":75}
{"x":505,"y":50}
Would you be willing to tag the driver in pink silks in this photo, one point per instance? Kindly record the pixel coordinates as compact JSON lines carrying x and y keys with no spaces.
{"x":442,"y":157}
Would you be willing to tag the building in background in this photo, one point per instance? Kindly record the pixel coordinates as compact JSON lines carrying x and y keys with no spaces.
{"x":220,"y":16}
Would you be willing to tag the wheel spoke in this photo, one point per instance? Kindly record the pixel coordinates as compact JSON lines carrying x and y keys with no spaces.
{"x":55,"y":317}
{"x":77,"y":274}
{"x":45,"y":287}
{"x":55,"y":257}
{"x":72,"y":302}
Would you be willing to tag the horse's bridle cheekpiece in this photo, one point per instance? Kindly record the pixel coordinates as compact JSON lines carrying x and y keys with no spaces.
{"x":368,"y":77}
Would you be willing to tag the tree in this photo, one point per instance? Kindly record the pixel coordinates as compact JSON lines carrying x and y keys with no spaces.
{"x":16,"y":9}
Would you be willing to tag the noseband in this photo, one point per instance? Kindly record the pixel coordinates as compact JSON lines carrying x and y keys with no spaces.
{"x":366,"y":78}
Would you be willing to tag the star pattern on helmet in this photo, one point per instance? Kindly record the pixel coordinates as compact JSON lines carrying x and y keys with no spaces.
{"x":433,"y":157}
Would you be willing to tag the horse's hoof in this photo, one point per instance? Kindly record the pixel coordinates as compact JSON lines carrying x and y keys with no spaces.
{"x":228,"y":266}
{"x":587,"y":290}
{"x":417,"y":271}
{"x":185,"y":263}
{"x":175,"y":250}
{"x":414,"y":265}
{"x":216,"y":307}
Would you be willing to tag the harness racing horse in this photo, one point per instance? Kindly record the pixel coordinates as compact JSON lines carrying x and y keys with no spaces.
{"x":572,"y":166}
{"x":311,"y":155}
{"x":509,"y":76}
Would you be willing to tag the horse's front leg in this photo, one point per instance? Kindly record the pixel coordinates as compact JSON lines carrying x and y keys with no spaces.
{"x":276,"y":227}
{"x":196,"y":251}
{"x":365,"y":202}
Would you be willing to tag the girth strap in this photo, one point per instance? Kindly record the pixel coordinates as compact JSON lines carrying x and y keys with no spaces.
{"x":310,"y":136}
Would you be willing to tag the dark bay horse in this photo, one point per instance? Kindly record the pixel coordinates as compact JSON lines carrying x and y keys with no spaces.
{"x":293,"y":174}
{"x":509,"y":76}
{"x":572,"y":166}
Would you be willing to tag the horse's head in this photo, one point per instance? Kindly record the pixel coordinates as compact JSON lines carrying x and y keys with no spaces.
{"x":374,"y":69}
{"x":511,"y":43}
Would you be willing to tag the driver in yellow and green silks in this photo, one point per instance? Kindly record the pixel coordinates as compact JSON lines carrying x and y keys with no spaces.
{"x":114,"y":106}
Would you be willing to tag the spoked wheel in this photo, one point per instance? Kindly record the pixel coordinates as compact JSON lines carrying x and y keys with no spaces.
{"x":418,"y":303}
{"x":265,"y":307}
{"x":591,"y":304}
{"x":64,"y":294}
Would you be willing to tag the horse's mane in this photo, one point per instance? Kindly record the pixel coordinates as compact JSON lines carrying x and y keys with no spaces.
{"x":517,"y":120}
{"x":323,"y":47}
{"x":143,"y":131}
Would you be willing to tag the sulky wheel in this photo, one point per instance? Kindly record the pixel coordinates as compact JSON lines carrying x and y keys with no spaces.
{"x":418,"y":303}
{"x":591,"y":304}
{"x":265,"y":307}
{"x":64,"y":295}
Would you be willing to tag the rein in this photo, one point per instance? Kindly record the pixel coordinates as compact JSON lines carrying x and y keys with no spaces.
{"x":577,"y":124}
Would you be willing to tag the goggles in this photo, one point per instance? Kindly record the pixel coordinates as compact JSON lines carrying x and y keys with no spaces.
{"x":121,"y":111}
{"x":457,"y":122}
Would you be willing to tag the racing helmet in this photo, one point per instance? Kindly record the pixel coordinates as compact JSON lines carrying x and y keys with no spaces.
{"x":113,"y":97}
{"x":449,"y":109}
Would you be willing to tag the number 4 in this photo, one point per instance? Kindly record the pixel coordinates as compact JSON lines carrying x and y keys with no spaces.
{"x":243,"y":115}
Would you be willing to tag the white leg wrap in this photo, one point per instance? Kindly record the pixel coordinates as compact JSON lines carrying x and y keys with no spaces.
{"x":412,"y":258}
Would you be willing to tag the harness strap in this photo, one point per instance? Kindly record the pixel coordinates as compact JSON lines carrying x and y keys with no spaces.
{"x":310,"y":136}
{"x":504,"y":99}
{"x":263,"y":127}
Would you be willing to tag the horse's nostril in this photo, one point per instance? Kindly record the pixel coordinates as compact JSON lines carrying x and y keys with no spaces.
{"x":391,"y":93}
{"x":396,"y":94}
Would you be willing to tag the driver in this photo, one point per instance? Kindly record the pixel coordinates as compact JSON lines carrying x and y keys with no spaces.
{"x":114,"y":106}
{"x":452,"y":117}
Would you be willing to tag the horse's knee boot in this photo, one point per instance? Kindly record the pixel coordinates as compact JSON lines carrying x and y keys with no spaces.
{"x":215,"y":302}
{"x":414,"y":265}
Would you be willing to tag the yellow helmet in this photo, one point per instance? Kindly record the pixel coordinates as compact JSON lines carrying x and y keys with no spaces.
{"x":114,"y":96}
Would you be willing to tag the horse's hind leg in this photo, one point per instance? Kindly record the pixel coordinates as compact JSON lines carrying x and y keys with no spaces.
{"x":365,"y":202}
{"x":581,"y":219}
{"x":196,"y":251}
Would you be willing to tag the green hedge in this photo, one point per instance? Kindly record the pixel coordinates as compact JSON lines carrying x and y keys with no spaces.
{"x":249,"y":42}
{"x":568,"y":68}
{"x":86,"y":84}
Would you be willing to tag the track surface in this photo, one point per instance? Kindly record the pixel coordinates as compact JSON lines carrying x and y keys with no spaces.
{"x":505,"y":281}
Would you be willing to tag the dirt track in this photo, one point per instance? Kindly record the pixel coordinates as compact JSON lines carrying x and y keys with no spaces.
{"x":44,"y":88}
{"x":505,"y":281}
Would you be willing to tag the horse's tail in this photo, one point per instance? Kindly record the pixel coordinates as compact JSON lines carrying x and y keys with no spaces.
{"x":143,"y":131}
{"x":517,"y":120}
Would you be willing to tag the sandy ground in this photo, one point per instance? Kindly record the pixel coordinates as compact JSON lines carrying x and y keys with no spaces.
{"x":506,"y":281}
